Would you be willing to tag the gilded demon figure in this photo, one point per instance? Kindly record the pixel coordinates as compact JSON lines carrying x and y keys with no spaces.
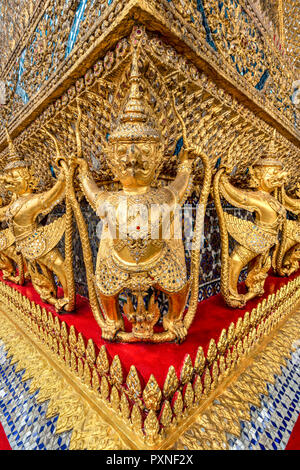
{"x":37,"y":244}
{"x":287,"y":254}
{"x":254,"y":239}
{"x":130,"y":256}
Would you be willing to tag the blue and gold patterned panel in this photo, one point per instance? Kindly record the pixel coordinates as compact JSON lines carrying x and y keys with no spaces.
{"x":271,"y":425}
{"x":23,"y":419}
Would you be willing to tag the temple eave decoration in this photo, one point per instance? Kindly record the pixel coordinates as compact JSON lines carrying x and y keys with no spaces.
{"x":149,"y":219}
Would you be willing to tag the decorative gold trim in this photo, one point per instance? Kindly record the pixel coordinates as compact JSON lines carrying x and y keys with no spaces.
{"x":281,"y":22}
{"x":231,"y":402}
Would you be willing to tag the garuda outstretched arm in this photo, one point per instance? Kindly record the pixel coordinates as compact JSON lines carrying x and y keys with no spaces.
{"x":291,"y":204}
{"x":43,"y":203}
{"x":88,"y":185}
{"x":235,"y":196}
{"x":181,"y":185}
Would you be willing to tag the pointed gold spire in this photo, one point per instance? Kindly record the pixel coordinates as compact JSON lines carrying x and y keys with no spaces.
{"x":268,"y":158}
{"x":151,"y":427}
{"x":272,"y":148}
{"x":13,"y":160}
{"x":133,"y":124}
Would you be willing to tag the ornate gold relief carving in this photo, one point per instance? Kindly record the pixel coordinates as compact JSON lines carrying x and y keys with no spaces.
{"x":232,"y":404}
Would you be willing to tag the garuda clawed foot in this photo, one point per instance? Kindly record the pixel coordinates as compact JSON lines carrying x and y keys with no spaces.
{"x":60,"y":304}
{"x":111,"y":328}
{"x":236,"y":300}
{"x":176,"y":327}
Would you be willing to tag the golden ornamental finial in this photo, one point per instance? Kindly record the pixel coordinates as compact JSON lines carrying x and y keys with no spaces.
{"x":273,"y":143}
{"x":132,"y":125}
{"x":8,"y":136}
{"x":269,"y":158}
{"x":13,"y":160}
{"x":58,"y":153}
{"x":184,"y":132}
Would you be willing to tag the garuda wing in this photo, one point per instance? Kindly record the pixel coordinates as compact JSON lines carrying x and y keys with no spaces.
{"x":6,"y":239}
{"x":293,"y":230}
{"x":249,"y":235}
{"x":43,"y":240}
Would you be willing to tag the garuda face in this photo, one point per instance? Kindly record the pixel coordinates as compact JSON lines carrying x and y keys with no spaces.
{"x":134,"y":163}
{"x":269,"y":177}
{"x":17,"y":180}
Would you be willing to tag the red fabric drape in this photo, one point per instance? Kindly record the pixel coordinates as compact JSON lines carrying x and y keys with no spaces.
{"x":4,"y":444}
{"x":294,"y":440}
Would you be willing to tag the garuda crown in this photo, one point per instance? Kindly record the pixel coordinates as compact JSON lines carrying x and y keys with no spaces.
{"x":132,"y":125}
{"x":269,"y":159}
{"x":14,"y":160}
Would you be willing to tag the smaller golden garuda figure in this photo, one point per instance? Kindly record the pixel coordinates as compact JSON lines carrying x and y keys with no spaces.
{"x":131,"y":257}
{"x":254,"y":239}
{"x":287,"y":254}
{"x":36,"y":244}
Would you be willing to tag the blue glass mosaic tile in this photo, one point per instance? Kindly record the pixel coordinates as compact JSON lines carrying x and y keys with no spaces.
{"x":271,"y":425}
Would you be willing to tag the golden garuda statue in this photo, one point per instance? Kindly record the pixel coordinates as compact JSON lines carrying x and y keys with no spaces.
{"x":131,"y":257}
{"x":35,"y":243}
{"x":254,"y":240}
{"x":287,"y":255}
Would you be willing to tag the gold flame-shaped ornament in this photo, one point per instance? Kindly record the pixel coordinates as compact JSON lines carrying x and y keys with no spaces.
{"x":14,"y":160}
{"x":133,"y":125}
{"x":269,"y":158}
